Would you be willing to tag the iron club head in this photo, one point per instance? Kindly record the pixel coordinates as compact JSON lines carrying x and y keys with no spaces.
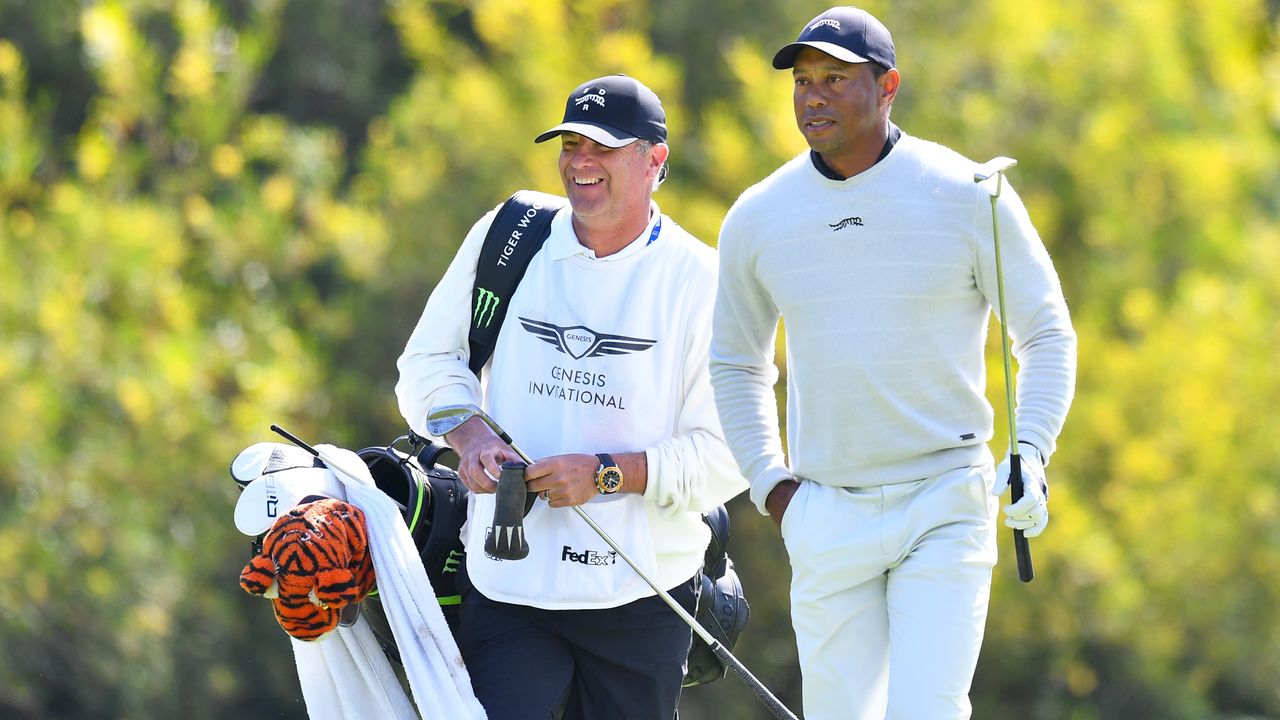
{"x":443,"y":419}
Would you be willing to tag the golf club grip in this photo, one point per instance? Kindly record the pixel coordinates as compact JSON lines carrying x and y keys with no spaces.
{"x":1021,"y":548}
{"x":506,"y":537}
{"x":761,"y":692}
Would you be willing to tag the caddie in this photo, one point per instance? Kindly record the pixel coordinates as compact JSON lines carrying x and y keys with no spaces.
{"x":600,"y":374}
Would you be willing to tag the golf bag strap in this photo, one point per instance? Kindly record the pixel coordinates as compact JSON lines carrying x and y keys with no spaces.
{"x":518,"y":232}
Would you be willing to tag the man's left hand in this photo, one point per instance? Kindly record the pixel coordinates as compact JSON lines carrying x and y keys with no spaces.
{"x":564,"y":480}
{"x":1031,"y":513}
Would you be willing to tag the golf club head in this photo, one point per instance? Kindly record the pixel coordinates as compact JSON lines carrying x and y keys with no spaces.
{"x":990,"y":168}
{"x":444,"y":419}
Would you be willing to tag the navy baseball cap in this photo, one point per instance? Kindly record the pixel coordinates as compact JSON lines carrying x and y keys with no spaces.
{"x":614,"y":111}
{"x":844,"y":33}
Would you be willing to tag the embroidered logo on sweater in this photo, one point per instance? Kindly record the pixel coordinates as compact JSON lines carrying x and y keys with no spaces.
{"x":847,"y":222}
{"x":580,"y":341}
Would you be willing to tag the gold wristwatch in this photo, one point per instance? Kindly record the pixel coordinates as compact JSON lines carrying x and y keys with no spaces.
{"x":608,"y":475}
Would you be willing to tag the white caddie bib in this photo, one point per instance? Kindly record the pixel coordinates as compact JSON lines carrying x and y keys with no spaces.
{"x":590,"y":359}
{"x":569,"y":564}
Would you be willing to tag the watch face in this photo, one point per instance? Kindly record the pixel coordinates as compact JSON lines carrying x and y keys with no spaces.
{"x":609,"y":480}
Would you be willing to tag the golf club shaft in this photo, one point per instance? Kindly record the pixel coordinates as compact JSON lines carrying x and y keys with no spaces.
{"x":1021,"y":548}
{"x":757,"y":688}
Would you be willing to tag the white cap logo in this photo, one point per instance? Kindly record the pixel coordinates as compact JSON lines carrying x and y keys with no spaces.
{"x":833,"y":24}
{"x":589,"y":97}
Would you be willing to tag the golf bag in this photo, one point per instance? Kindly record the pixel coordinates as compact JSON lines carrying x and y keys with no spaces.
{"x":433,"y":501}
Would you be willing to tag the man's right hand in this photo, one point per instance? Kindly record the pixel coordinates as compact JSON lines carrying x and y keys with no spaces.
{"x":480,"y":454}
{"x":780,"y":498}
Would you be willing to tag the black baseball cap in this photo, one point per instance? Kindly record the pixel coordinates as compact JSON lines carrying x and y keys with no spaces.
{"x":615,"y":110}
{"x":844,"y":33}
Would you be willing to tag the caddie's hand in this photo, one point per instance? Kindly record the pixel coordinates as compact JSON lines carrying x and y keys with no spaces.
{"x":1031,"y":513}
{"x":480,"y":454}
{"x":564,"y":480}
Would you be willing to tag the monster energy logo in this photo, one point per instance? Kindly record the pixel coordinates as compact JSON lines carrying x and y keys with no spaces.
{"x":486,"y":304}
{"x":451,"y":562}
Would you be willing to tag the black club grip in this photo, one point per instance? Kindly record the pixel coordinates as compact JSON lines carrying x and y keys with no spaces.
{"x":1021,"y":548}
{"x":506,"y":536}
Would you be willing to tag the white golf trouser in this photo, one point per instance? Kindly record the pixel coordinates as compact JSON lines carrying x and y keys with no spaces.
{"x":889,"y":594}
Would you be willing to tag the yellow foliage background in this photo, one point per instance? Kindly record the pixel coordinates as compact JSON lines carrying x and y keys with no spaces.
{"x":219,"y":215}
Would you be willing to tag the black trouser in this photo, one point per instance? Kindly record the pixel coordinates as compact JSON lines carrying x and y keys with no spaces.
{"x":625,"y":662}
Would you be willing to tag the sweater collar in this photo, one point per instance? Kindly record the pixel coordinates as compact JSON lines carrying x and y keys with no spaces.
{"x":822,"y":167}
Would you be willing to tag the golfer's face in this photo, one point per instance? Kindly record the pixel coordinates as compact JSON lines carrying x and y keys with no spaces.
{"x":602,"y":181}
{"x":836,"y":103}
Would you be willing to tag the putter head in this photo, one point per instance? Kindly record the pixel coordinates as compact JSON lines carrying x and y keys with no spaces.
{"x":988,"y":169}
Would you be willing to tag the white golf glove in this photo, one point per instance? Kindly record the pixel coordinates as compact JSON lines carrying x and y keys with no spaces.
{"x":1031,"y":513}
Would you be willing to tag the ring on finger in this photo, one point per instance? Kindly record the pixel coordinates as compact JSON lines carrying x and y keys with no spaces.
{"x":489,"y":474}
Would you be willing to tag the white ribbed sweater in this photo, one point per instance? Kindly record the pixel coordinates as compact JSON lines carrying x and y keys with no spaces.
{"x":885,"y":283}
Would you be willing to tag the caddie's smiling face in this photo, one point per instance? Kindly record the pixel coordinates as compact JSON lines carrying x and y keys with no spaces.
{"x":607,"y":183}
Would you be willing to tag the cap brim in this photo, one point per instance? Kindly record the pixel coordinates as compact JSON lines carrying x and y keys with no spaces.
{"x":786,"y":57}
{"x":603,"y":134}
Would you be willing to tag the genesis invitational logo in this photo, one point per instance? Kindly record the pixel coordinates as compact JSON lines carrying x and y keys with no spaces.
{"x":580,"y":341}
{"x":833,"y":24}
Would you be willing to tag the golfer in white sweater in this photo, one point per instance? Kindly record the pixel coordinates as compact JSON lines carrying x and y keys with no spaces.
{"x":876,"y":250}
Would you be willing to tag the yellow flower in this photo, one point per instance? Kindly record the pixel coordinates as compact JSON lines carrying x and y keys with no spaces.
{"x":10,"y":59}
{"x":227,"y":161}
{"x":278,"y":193}
{"x":197,"y":211}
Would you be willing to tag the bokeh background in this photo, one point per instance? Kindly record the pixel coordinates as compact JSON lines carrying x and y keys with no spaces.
{"x":219,"y":214}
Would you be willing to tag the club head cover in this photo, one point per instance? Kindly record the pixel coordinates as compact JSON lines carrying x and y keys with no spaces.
{"x":506,"y":538}
{"x":717,"y":553}
{"x":273,"y":478}
{"x":315,"y":561}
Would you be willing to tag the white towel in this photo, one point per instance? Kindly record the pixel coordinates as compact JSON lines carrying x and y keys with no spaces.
{"x":346,"y":676}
